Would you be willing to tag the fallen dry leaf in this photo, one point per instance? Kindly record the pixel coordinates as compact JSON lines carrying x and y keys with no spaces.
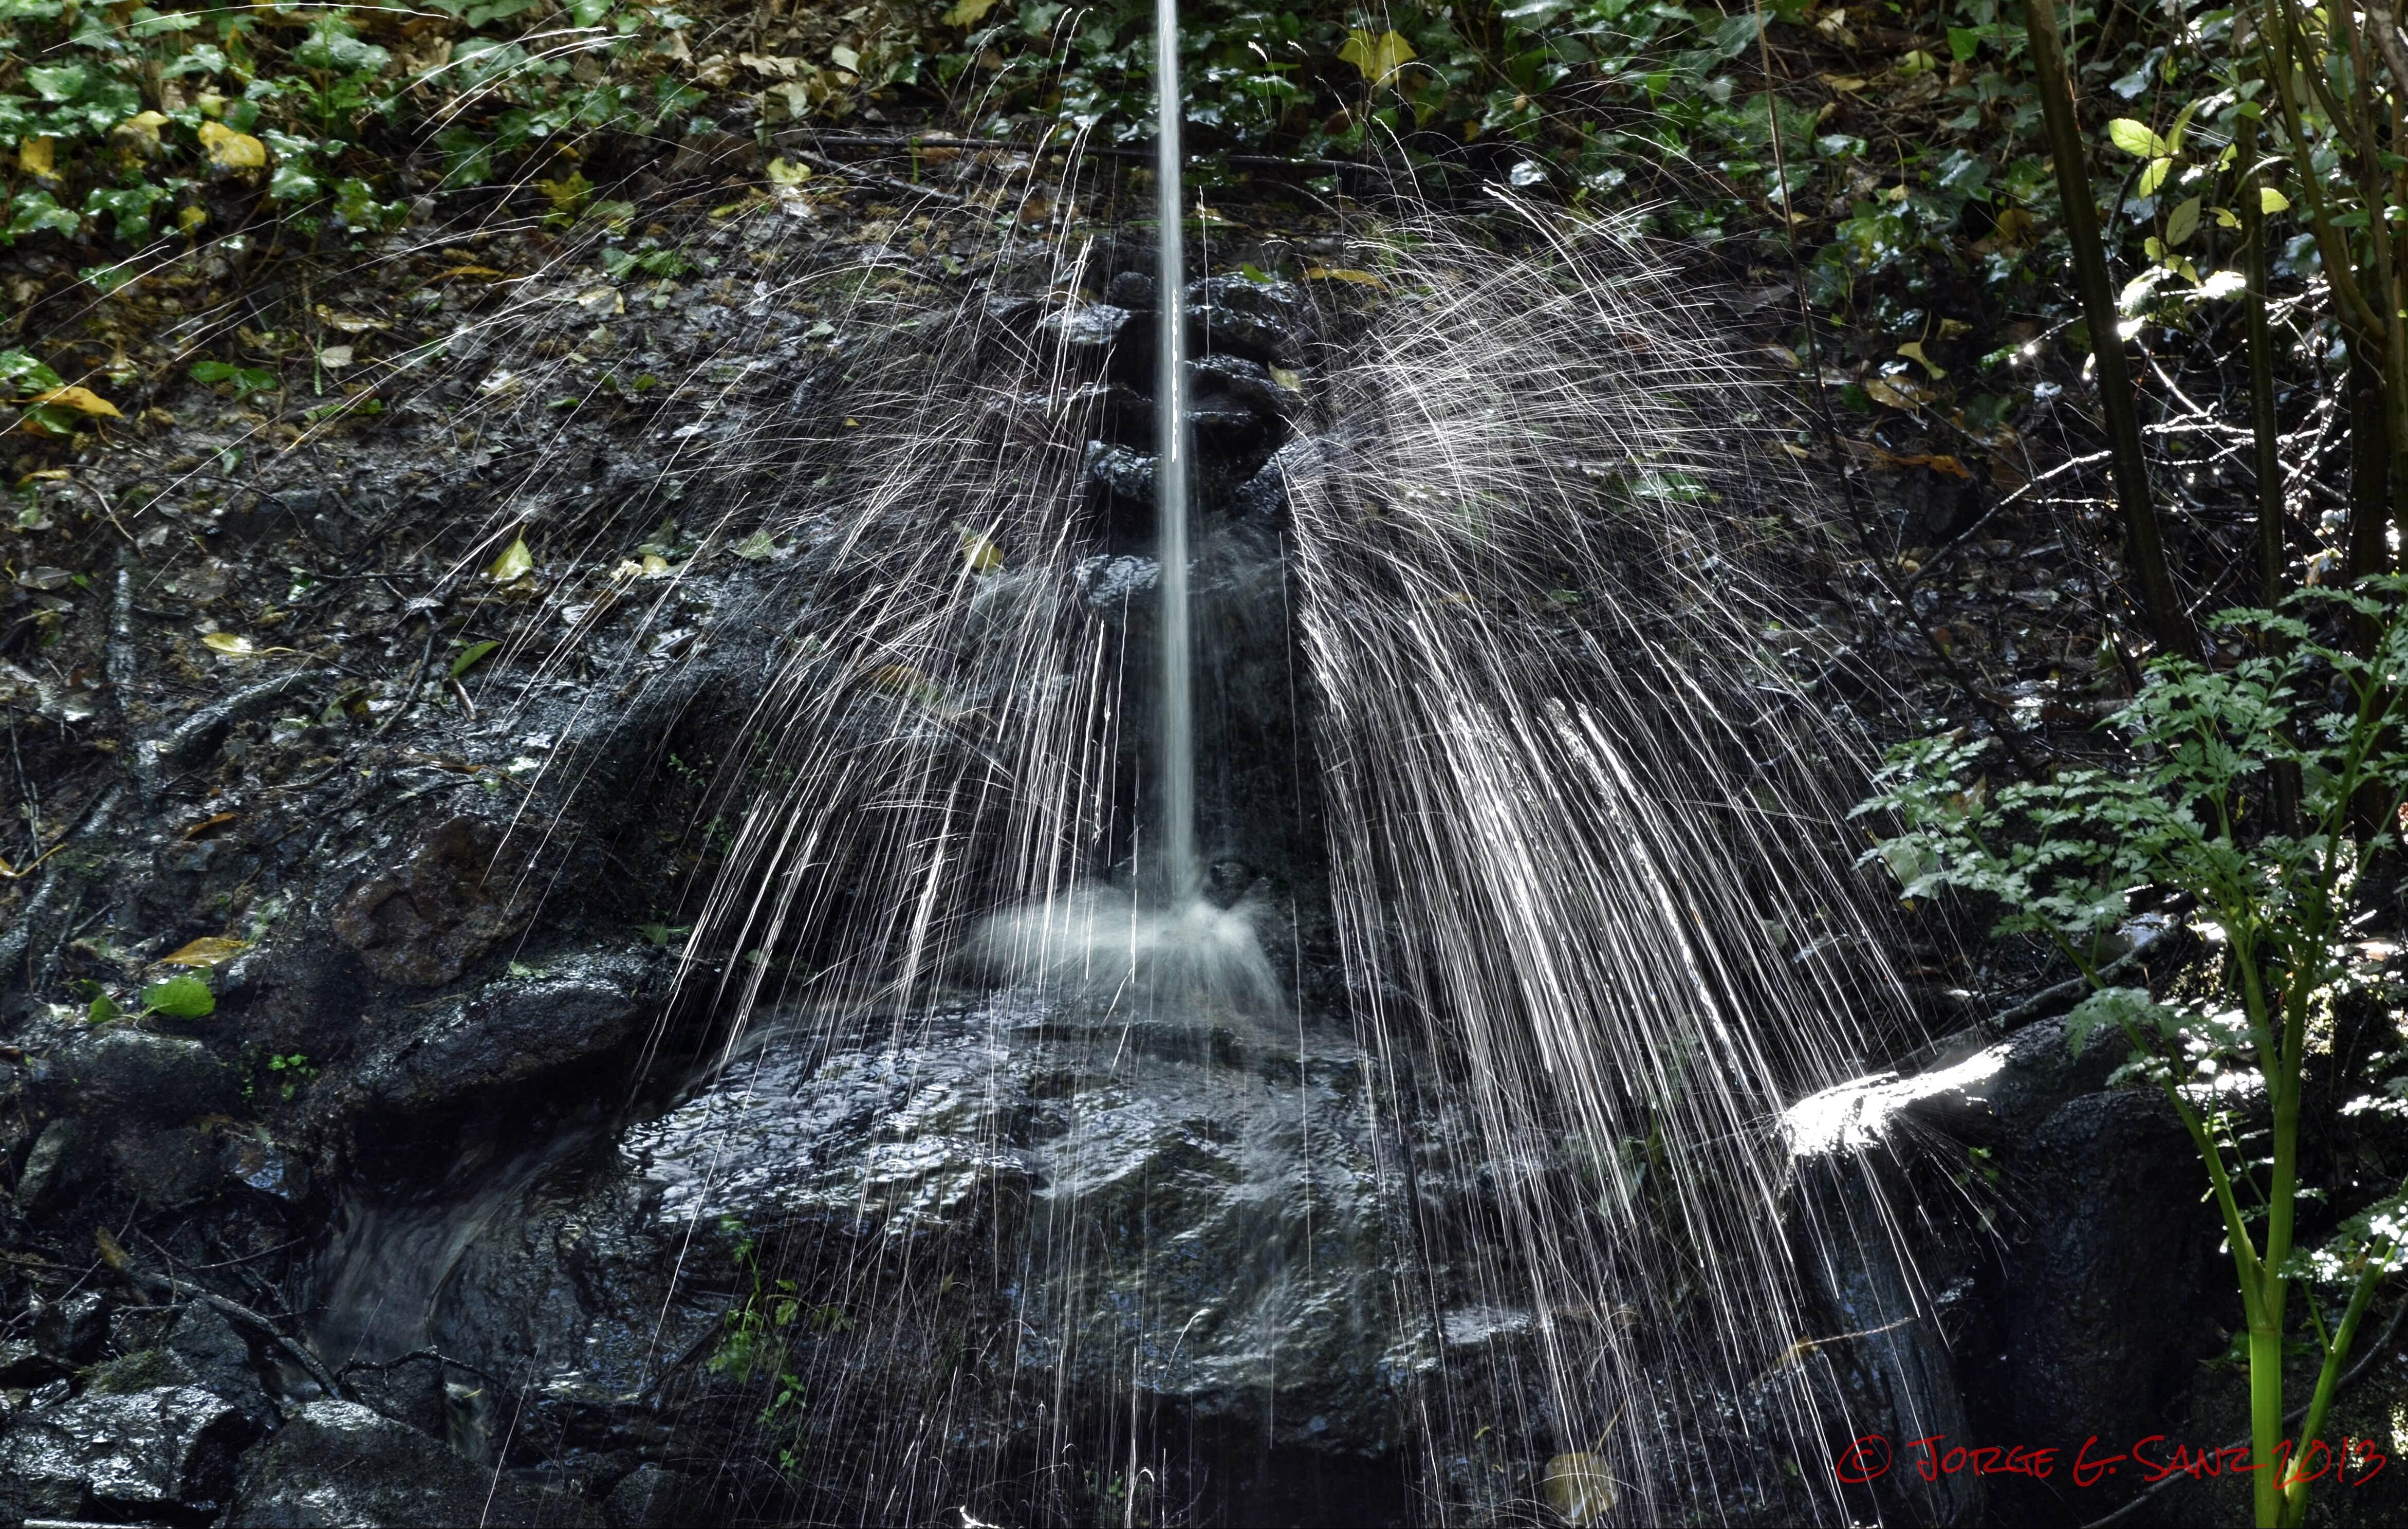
{"x":209,"y":950}
{"x":81,"y":399}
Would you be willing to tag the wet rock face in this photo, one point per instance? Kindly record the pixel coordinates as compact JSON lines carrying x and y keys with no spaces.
{"x":992,"y":1213}
{"x":167,"y":1450}
{"x":446,"y":905}
{"x":334,"y":1464}
{"x":510,"y":1033}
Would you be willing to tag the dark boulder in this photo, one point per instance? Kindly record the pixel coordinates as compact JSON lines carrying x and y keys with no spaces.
{"x":121,"y":1455}
{"x":511,"y":1032}
{"x":334,"y":1464}
{"x":126,"y":1075}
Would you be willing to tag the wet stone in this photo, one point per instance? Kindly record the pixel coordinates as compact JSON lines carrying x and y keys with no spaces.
{"x":448,"y":902}
{"x":46,"y":1166}
{"x":69,"y":1329}
{"x":121,"y":1455}
{"x":337,"y":1463}
{"x":123,"y":1074}
{"x":511,"y":1032}
{"x":1133,"y":290}
{"x":651,"y":1497}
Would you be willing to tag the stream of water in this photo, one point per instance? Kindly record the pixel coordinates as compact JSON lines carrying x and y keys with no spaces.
{"x":1184,"y":875}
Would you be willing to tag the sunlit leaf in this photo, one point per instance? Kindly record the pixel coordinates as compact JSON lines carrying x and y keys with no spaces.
{"x":1912,"y":351}
{"x":515,"y":562}
{"x":231,"y":151}
{"x":785,"y":172}
{"x":968,"y":13}
{"x":228,"y":642}
{"x":38,"y":156}
{"x":2154,"y":176}
{"x":1579,"y":1487}
{"x":2271,"y":201}
{"x":2135,"y":138}
{"x":1377,"y":59}
{"x":980,"y":554}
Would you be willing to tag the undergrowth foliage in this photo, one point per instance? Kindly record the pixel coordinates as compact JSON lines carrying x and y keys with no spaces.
{"x":2195,"y":821}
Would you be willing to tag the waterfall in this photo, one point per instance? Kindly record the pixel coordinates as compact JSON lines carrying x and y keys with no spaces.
{"x":1184,"y":878}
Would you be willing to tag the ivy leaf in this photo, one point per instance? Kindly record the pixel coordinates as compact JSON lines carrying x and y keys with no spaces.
{"x":1377,"y":59}
{"x":2135,"y":138}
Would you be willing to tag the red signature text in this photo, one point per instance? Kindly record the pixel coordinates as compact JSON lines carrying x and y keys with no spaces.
{"x":2149,"y":1461}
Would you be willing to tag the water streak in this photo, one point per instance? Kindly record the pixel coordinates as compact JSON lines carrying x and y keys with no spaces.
{"x":1183,"y":875}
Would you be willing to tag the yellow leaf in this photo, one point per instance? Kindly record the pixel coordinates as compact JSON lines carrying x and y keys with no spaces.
{"x":514,"y":563}
{"x":191,"y":218}
{"x":1377,"y":59}
{"x":228,"y":642}
{"x":1912,"y":351}
{"x":231,"y":151}
{"x":655,"y":566}
{"x":141,"y":130}
{"x":1327,"y":273}
{"x":39,"y":157}
{"x":210,"y":951}
{"x":785,"y":172}
{"x":2271,"y":201}
{"x":81,"y":399}
{"x":979,"y":555}
{"x":1579,"y":1487}
{"x":1289,"y":379}
{"x":968,"y":13}
{"x":1897,"y":392}
{"x":1843,"y":83}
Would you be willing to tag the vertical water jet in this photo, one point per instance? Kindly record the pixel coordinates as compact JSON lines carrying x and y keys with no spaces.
{"x":1183,"y":874}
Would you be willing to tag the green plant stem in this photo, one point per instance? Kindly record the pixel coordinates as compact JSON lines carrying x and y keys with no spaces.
{"x":2145,"y":544}
{"x":2295,"y":1493}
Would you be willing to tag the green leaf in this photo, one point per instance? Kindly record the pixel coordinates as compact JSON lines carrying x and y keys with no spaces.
{"x":2135,"y":138}
{"x":2154,"y":176}
{"x":516,"y":562}
{"x":103,"y":1009}
{"x":2182,"y":222}
{"x":24,"y":373}
{"x":469,"y":657}
{"x":246,"y":380}
{"x":181,"y":998}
